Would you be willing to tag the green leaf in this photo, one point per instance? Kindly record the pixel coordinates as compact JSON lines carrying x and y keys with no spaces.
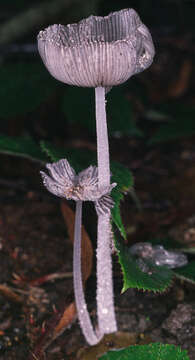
{"x":25,"y":86}
{"x":124,"y":179}
{"x":21,"y":146}
{"x":154,"y":351}
{"x":116,"y":214}
{"x":79,"y":106}
{"x":77,"y":158}
{"x":157,"y":278}
{"x":182,"y":123}
{"x":186,"y":272}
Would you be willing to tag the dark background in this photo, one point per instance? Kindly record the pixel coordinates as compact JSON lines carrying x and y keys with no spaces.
{"x":22,"y":111}
{"x":151,"y":120}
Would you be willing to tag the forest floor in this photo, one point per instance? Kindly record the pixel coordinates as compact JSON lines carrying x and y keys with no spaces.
{"x":36,"y":257}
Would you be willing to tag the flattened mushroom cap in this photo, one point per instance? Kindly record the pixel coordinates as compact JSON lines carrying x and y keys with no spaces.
{"x":63,"y":182}
{"x":97,"y":51}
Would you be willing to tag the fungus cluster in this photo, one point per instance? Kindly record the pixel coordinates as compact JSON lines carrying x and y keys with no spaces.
{"x":98,"y":52}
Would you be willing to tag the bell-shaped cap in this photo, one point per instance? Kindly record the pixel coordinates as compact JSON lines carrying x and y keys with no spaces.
{"x":97,"y":51}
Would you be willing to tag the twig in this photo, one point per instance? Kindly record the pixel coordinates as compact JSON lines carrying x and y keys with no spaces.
{"x":10,"y":294}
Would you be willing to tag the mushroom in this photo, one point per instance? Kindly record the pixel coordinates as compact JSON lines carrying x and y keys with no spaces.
{"x":98,"y":52}
{"x":63,"y":182}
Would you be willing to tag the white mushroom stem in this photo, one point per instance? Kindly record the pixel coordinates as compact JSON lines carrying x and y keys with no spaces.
{"x":105,"y":298}
{"x":82,"y":312}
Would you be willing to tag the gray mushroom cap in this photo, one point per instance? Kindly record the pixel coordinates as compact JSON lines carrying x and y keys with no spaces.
{"x":97,"y":51}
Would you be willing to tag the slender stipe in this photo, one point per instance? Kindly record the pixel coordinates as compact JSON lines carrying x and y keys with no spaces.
{"x":102,"y":138}
{"x":105,"y":298}
{"x":82,"y":312}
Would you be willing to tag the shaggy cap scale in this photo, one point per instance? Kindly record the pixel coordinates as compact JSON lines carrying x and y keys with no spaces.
{"x":97,"y":51}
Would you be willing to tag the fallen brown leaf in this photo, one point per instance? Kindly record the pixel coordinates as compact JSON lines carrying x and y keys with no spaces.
{"x":66,"y":319}
{"x":116,"y":340}
{"x":87,"y":250}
